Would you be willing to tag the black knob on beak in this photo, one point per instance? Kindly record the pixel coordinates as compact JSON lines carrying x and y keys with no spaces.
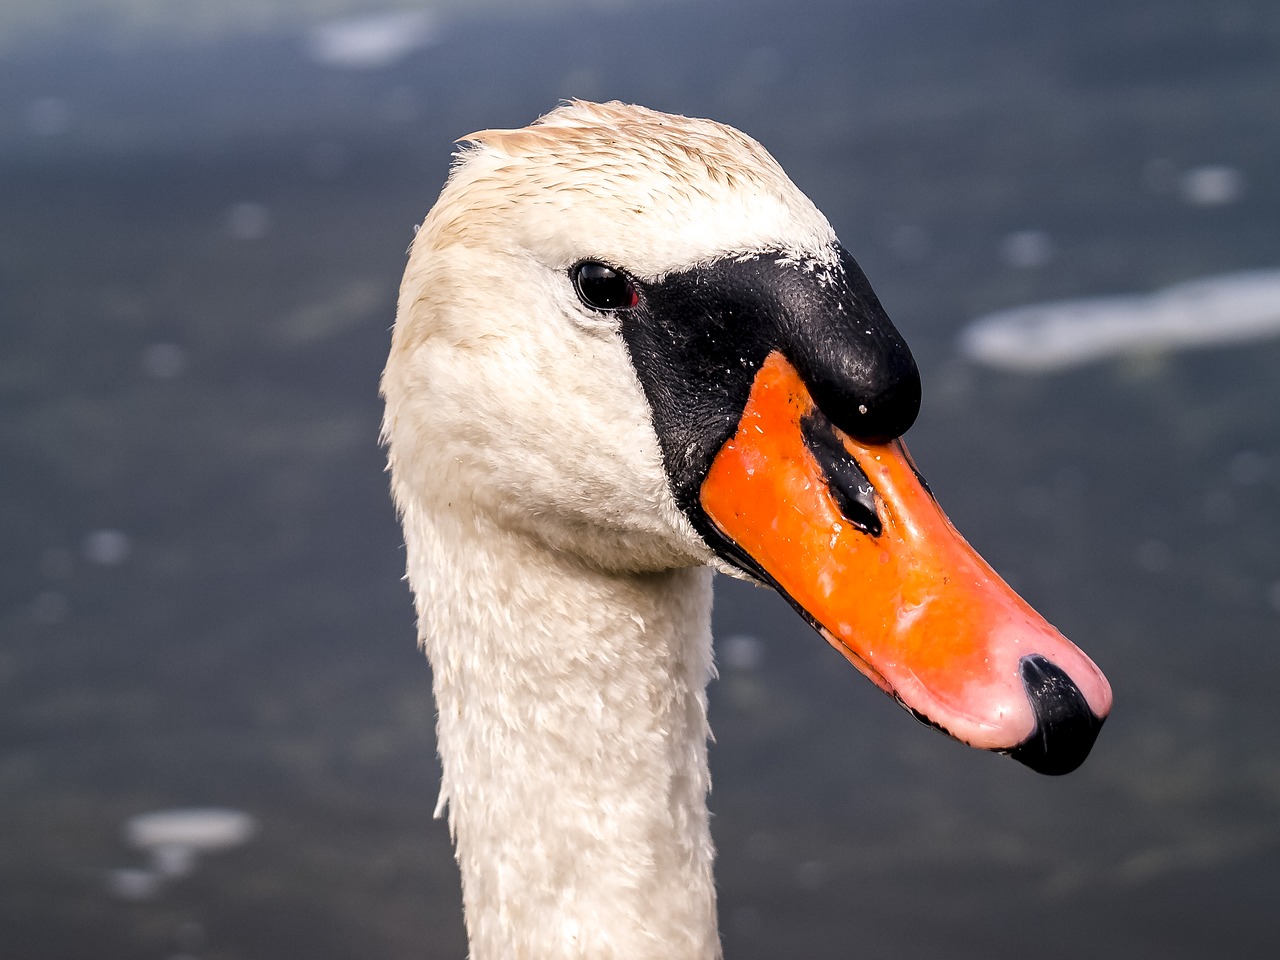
{"x":851,"y":356}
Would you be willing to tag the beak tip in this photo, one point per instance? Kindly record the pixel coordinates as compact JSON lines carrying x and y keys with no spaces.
{"x":1066,"y":725}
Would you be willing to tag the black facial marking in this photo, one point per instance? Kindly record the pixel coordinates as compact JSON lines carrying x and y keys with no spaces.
{"x":697,"y":339}
{"x":849,"y":486}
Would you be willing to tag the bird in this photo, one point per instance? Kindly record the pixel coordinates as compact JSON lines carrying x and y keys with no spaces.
{"x":629,"y":353}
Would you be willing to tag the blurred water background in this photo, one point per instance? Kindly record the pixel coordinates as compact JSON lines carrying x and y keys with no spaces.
{"x":203,"y":218}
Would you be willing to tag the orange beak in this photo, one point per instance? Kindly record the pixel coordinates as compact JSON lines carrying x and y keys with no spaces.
{"x":852,"y":537}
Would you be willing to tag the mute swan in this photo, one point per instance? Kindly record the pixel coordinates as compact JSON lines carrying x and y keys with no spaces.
{"x":628,"y":352}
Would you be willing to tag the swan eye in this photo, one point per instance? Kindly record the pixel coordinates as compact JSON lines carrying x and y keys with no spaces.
{"x":604,"y":288}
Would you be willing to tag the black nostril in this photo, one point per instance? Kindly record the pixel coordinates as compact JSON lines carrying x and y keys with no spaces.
{"x":849,"y":487}
{"x":1066,"y":725}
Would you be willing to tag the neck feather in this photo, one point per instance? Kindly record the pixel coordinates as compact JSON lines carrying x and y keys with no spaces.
{"x":572,"y":730}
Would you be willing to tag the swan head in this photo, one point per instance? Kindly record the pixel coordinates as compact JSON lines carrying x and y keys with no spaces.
{"x":520,"y":396}
{"x":629,"y":337}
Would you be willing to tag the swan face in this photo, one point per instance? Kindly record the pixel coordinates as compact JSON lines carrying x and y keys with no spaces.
{"x":511,"y":402}
{"x":737,"y":405}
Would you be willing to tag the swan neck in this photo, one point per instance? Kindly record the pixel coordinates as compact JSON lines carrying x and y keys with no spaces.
{"x":572,"y":732}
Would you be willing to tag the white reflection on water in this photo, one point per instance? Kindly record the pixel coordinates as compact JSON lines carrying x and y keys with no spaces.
{"x":202,"y":829}
{"x":174,"y":840}
{"x":1043,"y":337}
{"x":741,"y":652}
{"x":369,"y":42}
{"x":1212,"y":186}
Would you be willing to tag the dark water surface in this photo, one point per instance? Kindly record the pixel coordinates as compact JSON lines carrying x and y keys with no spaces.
{"x":200,"y":590}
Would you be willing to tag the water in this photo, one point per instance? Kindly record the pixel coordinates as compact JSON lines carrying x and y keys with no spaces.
{"x":1224,"y":309}
{"x":200,"y":599}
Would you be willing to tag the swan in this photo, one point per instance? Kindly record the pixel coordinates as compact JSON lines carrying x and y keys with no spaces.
{"x":629,"y":352}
